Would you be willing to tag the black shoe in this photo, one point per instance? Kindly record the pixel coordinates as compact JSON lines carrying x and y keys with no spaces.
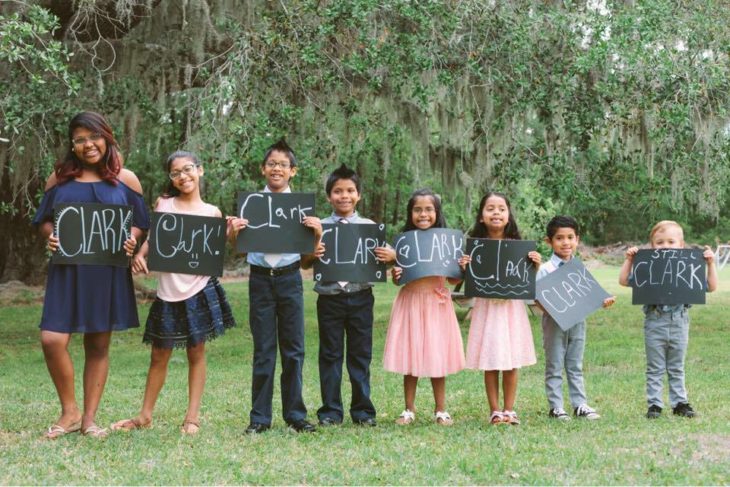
{"x":684,"y":409}
{"x":302,"y":426}
{"x":327,"y":421}
{"x":366,"y":422}
{"x":654,"y":412}
{"x":254,"y":428}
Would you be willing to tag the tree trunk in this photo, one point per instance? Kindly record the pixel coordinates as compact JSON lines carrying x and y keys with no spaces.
{"x":22,"y":253}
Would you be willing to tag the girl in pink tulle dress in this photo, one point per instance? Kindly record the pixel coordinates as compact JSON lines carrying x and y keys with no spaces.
{"x":500,"y":338}
{"x":423,"y":338}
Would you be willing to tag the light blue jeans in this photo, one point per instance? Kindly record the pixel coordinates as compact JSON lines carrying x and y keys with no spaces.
{"x":564,"y":349}
{"x":666,"y":334}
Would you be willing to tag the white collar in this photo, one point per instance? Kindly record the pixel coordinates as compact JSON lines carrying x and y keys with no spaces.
{"x":268,"y":190}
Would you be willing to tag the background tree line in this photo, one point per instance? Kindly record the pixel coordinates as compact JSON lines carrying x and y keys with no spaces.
{"x":615,"y":112}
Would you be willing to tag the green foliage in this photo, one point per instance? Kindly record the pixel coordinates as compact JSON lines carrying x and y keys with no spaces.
{"x":614,"y":112}
{"x":36,"y":85}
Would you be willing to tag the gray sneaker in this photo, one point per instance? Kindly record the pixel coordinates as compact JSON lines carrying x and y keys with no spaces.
{"x":559,"y":414}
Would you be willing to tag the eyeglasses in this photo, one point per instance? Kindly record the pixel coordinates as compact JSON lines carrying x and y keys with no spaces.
{"x":273,"y":164}
{"x":84,"y":140}
{"x":187,"y":170}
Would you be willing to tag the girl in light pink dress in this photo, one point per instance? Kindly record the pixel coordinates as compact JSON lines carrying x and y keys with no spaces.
{"x":423,"y":338}
{"x":500,"y":338}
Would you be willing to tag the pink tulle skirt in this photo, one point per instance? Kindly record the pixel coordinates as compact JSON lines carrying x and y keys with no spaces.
{"x":423,"y":338}
{"x":500,"y":337}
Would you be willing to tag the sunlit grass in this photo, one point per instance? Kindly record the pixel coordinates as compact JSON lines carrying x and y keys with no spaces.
{"x":622,"y":448}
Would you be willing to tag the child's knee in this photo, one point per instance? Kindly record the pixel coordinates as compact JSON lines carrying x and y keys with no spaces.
{"x":53,"y":342}
{"x":97,"y":346}
{"x":160,"y":356}
{"x":196,"y":354}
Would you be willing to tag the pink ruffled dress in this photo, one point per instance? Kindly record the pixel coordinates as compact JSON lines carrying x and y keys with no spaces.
{"x":424,"y":339}
{"x":500,"y":337}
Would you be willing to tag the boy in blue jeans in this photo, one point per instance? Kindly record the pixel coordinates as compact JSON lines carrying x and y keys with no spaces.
{"x":276,"y":312}
{"x":564,"y":348}
{"x":345,"y":313}
{"x":666,"y":328}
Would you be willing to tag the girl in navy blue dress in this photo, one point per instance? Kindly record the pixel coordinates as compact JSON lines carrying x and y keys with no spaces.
{"x":93,"y":300}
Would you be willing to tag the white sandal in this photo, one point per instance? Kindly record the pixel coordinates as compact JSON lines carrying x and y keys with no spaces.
{"x":510,"y":417}
{"x":443,"y":418}
{"x":406,"y":417}
{"x":497,"y":417}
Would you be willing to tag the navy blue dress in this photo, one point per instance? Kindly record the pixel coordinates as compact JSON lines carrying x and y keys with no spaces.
{"x":90,"y":298}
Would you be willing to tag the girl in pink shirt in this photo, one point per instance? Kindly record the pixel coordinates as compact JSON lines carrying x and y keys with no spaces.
{"x":189,"y":309}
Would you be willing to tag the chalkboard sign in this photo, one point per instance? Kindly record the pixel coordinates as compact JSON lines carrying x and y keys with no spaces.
{"x":432,"y":252}
{"x":500,"y":269}
{"x":669,"y":276}
{"x":350,"y":253}
{"x":275,"y":223}
{"x":187,"y":244}
{"x":570,"y":293}
{"x":91,"y":233}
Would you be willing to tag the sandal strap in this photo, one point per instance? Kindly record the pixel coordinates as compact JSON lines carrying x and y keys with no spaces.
{"x":442,"y":415}
{"x":511,"y":417}
{"x":95,"y":431}
{"x":130,"y":424}
{"x":496,"y":415}
{"x":408,"y":414}
{"x":56,"y":428}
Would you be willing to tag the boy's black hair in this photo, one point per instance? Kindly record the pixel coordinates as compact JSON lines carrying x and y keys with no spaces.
{"x":440,"y":220}
{"x":479,"y":230}
{"x":281,"y":146}
{"x":561,"y":221}
{"x":342,"y":172}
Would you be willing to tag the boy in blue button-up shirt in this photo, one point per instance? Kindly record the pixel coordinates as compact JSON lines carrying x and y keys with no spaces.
{"x":276,"y":312}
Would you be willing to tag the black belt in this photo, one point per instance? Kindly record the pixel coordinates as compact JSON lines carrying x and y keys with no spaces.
{"x":274,"y":271}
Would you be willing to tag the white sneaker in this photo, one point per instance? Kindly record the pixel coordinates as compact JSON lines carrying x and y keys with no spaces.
{"x":586,"y":412}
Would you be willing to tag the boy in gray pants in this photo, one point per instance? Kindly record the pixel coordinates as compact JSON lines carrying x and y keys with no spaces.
{"x":564,"y":348}
{"x":666,"y":328}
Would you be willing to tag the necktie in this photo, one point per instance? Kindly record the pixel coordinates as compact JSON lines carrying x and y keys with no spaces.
{"x":343,"y":284}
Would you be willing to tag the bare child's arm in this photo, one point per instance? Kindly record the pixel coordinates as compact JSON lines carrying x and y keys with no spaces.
{"x":308,"y":259}
{"x":234,"y":225}
{"x":385,"y":254}
{"x":535,"y":257}
{"x":711,"y":269}
{"x":139,"y":262}
{"x":623,"y":275}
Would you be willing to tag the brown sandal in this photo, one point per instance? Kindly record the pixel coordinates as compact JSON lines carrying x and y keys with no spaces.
{"x":190,"y":427}
{"x":129,"y":425}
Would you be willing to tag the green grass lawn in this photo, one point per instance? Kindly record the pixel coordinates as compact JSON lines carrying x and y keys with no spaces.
{"x":622,"y":448}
